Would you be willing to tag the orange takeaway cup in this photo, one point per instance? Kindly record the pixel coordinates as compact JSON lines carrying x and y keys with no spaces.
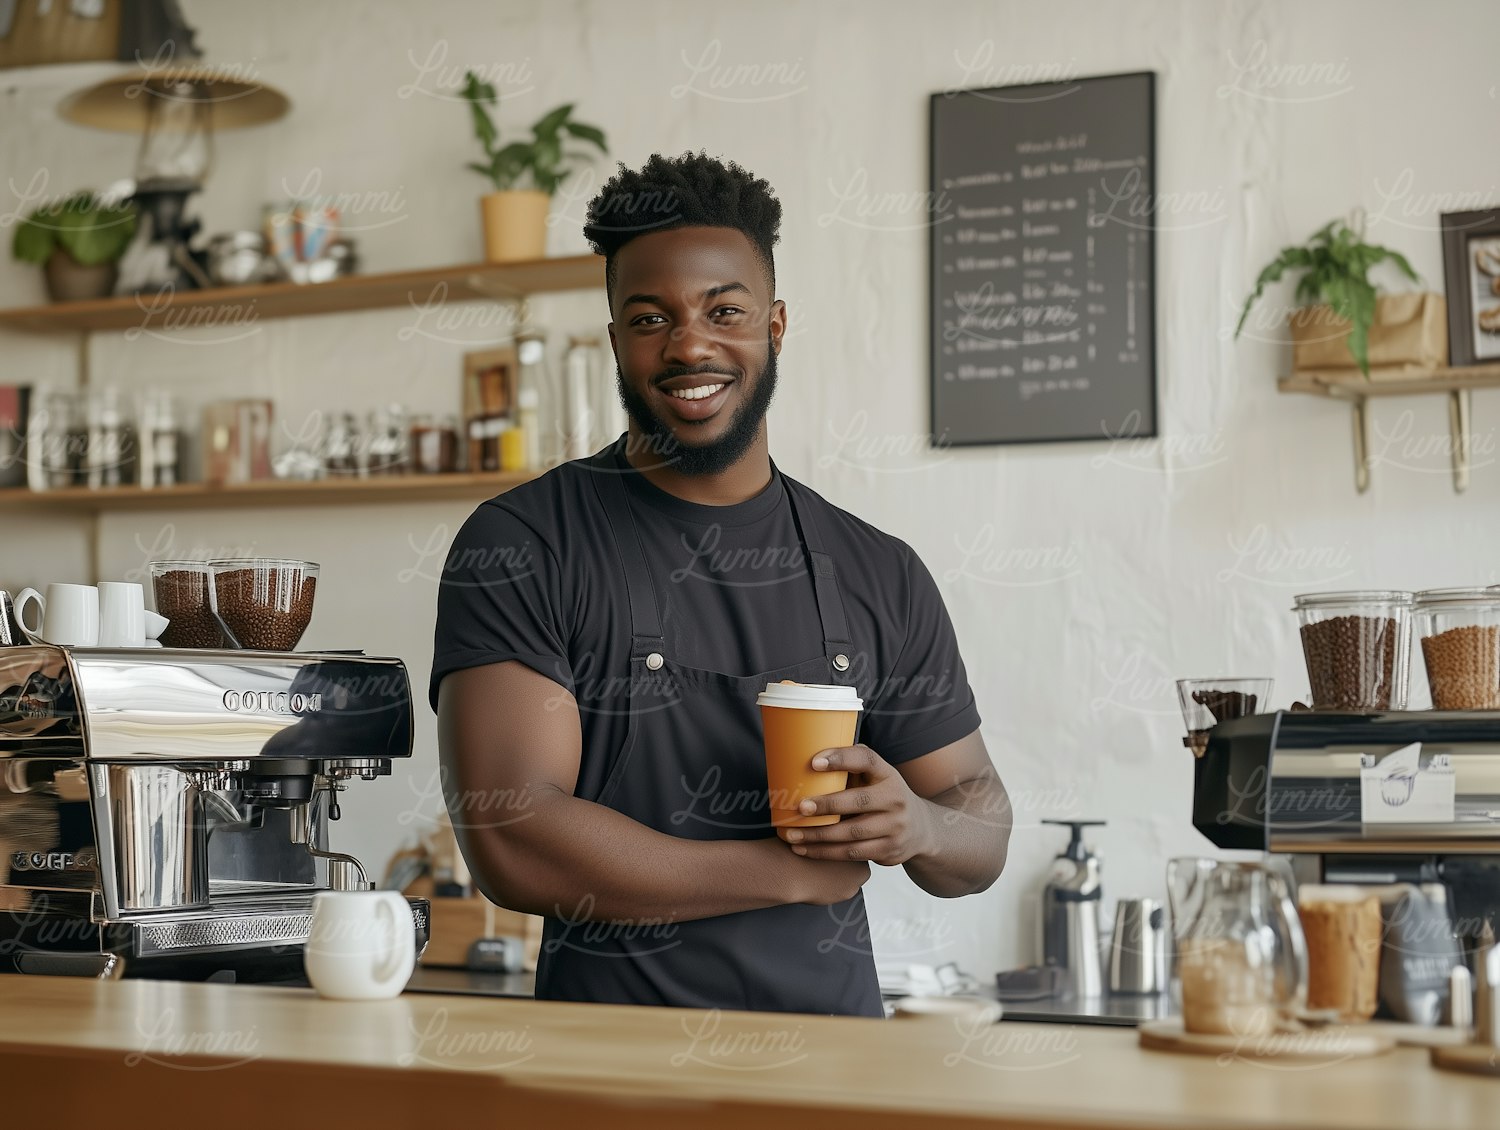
{"x":801,"y":720}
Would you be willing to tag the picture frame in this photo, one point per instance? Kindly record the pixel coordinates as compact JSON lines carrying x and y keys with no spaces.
{"x":1471,"y":282}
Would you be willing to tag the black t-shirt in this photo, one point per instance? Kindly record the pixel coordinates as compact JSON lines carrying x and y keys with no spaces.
{"x":534,"y":576}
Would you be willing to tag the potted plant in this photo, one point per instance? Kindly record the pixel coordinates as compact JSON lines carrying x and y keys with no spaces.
{"x":525,"y":174}
{"x":77,"y":243}
{"x":1341,"y":323}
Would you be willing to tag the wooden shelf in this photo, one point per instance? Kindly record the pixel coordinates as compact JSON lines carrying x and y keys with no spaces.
{"x":411,"y":289}
{"x":1457,"y":384}
{"x":271,"y":493}
{"x":1440,"y":380}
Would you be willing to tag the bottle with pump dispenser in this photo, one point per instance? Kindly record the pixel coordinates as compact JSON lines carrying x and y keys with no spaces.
{"x":1071,"y":903}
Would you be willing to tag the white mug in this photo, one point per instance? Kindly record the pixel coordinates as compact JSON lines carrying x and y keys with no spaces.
{"x":122,"y":614}
{"x":361,"y":946}
{"x":156,"y":624}
{"x":68,"y":614}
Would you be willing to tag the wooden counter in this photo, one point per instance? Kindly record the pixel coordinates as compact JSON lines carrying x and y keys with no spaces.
{"x":231,"y":1056}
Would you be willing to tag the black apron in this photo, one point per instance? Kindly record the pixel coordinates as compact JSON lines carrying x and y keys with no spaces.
{"x":693,"y":766}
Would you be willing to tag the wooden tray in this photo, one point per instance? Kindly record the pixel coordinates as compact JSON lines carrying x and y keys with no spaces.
{"x":1329,"y":1044}
{"x":1475,"y":1059}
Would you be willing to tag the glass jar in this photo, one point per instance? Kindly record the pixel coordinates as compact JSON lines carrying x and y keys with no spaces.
{"x":181,"y":590}
{"x":1357,"y":646}
{"x":434,"y":445}
{"x":52,"y":459}
{"x":341,"y":446}
{"x":1460,"y":634}
{"x":537,"y":403}
{"x":109,"y":458}
{"x":160,"y":451}
{"x":387,"y":441}
{"x":1241,"y":955}
{"x":585,"y":426}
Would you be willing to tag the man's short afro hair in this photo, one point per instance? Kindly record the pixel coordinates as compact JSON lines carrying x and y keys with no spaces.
{"x":693,"y":190}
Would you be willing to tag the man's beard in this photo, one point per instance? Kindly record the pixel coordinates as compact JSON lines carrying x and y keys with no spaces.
{"x":708,"y":458}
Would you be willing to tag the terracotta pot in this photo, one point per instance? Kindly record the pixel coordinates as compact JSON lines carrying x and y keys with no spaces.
{"x":1408,"y":338}
{"x":515,"y":225}
{"x":68,"y":280}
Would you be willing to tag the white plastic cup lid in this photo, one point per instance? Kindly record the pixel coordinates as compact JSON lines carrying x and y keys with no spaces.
{"x":810,"y":696}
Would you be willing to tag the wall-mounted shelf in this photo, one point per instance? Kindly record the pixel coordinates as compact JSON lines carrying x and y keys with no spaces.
{"x":1456,"y":384}
{"x":470,"y":283}
{"x":271,"y":493}
{"x":419,"y":289}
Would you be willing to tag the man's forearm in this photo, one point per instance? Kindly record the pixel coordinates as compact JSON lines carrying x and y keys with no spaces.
{"x":969,"y":834}
{"x":573,"y":859}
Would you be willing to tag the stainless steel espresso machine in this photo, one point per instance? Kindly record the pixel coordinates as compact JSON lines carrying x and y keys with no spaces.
{"x":1394,"y":797}
{"x":164,"y":812}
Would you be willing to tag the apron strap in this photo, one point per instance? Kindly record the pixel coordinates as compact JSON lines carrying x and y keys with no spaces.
{"x":836,"y":640}
{"x":645,"y":620}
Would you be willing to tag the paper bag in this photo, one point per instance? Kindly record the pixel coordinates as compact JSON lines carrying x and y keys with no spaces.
{"x":1409,"y":338}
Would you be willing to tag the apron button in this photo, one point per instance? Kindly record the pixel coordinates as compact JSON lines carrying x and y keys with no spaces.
{"x":654,"y":661}
{"x":841,"y":662}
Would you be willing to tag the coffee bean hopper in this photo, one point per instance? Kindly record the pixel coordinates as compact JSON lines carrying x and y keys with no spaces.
{"x":165,"y":812}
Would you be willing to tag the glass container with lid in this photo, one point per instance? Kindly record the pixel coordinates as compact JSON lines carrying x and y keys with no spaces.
{"x":1357,"y":646}
{"x":1460,"y":633}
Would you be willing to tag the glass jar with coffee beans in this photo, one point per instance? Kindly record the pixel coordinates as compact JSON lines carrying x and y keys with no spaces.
{"x":264,"y":604}
{"x":1357,"y":646}
{"x":1460,"y":634}
{"x":182,"y":593}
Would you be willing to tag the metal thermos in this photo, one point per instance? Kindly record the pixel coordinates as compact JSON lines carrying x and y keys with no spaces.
{"x":1070,"y":914}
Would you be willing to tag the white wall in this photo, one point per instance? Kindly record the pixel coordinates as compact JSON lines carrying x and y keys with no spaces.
{"x":1082,"y":578}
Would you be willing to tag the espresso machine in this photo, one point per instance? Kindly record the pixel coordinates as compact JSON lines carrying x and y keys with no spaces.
{"x":164,"y":812}
{"x":1370,"y":798}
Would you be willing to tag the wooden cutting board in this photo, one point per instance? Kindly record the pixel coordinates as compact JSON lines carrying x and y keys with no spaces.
{"x":1474,"y":1059}
{"x":1329,"y":1044}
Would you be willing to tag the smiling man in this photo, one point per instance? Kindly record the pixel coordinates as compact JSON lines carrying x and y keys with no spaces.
{"x":603,"y":632}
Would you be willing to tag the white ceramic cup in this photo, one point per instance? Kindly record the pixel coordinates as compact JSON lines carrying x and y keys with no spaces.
{"x":156,"y":624}
{"x":68,"y":614}
{"x":361,"y":947}
{"x":122,"y":614}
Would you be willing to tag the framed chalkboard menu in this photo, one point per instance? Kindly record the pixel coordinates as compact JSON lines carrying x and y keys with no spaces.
{"x":1043,"y":262}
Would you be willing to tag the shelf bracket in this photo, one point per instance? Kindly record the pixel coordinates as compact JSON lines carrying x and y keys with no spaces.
{"x":1361,"y":444}
{"x":1459,"y":403}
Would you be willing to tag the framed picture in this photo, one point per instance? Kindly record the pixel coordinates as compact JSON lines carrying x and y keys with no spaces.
{"x":490,"y":383}
{"x":1471,"y":275}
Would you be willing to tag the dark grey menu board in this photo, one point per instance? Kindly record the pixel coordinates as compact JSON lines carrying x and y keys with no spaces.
{"x":1042,"y":262}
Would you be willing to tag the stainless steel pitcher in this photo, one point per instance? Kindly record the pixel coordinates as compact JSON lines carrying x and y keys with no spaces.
{"x":1138,"y":947}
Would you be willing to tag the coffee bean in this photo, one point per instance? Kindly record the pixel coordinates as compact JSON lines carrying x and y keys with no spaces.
{"x":182,"y":597}
{"x":267,"y":609}
{"x":1351,"y":662}
{"x":1463,"y":667}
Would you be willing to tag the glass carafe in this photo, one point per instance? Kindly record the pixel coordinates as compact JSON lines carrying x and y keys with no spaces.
{"x":1241,"y":956}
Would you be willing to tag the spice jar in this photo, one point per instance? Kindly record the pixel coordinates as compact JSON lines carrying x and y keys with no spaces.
{"x":434,"y":446}
{"x":341,"y":446}
{"x":109,"y":460}
{"x":387,"y":449}
{"x":1357,"y":646}
{"x":1460,"y":634}
{"x":157,"y":439}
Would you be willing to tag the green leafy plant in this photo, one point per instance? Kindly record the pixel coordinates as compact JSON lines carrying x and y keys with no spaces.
{"x":541,"y":162}
{"x":91,"y":231}
{"x":1336,"y":262}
